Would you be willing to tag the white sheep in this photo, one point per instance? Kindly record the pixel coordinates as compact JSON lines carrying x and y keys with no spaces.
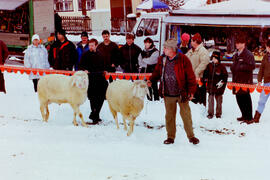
{"x":127,"y":98}
{"x":56,"y":88}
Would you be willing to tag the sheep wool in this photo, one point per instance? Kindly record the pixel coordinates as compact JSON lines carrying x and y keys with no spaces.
{"x":127,"y":98}
{"x":56,"y":88}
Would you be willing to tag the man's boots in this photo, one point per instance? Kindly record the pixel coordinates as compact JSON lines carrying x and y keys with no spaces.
{"x":257,"y":116}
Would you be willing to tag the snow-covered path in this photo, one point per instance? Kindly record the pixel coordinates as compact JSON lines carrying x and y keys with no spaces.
{"x":31,"y":149}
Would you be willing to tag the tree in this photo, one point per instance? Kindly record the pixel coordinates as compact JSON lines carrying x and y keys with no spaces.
{"x":175,"y":4}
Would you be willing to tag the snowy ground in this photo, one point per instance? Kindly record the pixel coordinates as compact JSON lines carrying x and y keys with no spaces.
{"x":33,"y":150}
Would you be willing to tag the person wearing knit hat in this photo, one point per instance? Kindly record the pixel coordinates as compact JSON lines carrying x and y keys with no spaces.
{"x":216,"y":77}
{"x":82,"y":47}
{"x":177,"y":86}
{"x":199,"y":57}
{"x":36,"y":56}
{"x":184,"y":46}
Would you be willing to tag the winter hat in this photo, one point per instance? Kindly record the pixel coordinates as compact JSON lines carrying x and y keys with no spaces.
{"x":216,"y":54}
{"x":62,"y":31}
{"x":185,"y":37}
{"x":240,"y":39}
{"x":84,"y":34}
{"x":172,"y":43}
{"x":35,"y":36}
{"x":197,"y":37}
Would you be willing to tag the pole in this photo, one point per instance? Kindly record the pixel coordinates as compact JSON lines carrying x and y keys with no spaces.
{"x":31,"y":19}
{"x":125,"y":16}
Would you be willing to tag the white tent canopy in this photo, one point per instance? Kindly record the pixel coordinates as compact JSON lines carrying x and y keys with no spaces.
{"x":11,"y":4}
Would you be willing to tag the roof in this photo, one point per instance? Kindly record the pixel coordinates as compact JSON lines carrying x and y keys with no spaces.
{"x":11,"y":4}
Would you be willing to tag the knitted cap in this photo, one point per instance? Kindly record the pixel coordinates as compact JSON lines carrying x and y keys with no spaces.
{"x":171,"y":43}
{"x":35,"y":36}
{"x":185,"y":37}
{"x":197,"y":37}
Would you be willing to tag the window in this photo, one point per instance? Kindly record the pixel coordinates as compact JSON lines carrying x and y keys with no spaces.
{"x":90,"y":4}
{"x":147,"y":27}
{"x":63,"y":5}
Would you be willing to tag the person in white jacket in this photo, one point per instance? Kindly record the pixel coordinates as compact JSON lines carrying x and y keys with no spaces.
{"x":36,"y":56}
{"x":148,"y":59}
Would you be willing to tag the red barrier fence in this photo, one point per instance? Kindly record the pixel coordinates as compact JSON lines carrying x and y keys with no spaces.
{"x":133,"y":76}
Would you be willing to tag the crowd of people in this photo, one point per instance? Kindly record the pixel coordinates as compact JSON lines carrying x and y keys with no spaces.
{"x":177,"y":70}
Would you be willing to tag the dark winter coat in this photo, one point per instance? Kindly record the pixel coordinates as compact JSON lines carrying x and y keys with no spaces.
{"x":64,"y":55}
{"x":184,"y":75}
{"x":3,"y":56}
{"x":110,"y":54}
{"x":264,"y":72}
{"x":213,"y":74}
{"x":94,"y":64}
{"x":80,"y":50}
{"x":242,"y":68}
{"x":129,"y":58}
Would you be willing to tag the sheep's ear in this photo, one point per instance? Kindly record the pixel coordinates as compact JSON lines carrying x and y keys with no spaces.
{"x":135,"y":89}
{"x":73,"y":81}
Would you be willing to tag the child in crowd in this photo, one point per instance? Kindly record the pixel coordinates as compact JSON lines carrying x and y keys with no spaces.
{"x":216,"y":77}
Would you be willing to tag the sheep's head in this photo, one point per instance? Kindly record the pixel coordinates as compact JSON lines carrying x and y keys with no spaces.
{"x":80,"y":80}
{"x":140,"y":89}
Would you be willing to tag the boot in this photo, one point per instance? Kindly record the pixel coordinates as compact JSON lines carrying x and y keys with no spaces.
{"x":257,"y":116}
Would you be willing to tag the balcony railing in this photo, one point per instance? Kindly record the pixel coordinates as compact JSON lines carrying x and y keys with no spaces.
{"x":76,"y":24}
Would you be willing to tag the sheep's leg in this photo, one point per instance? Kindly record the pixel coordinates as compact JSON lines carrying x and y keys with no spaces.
{"x":47,"y":113}
{"x":42,"y":110}
{"x":116,"y":121}
{"x":114,"y":113}
{"x":125,"y":124}
{"x":131,"y":126}
{"x":75,"y":109}
{"x":81,"y":116}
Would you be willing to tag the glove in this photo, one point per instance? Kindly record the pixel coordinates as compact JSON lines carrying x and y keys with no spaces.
{"x":219,"y":84}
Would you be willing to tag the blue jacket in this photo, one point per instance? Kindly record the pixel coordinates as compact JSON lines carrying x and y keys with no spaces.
{"x":80,"y":50}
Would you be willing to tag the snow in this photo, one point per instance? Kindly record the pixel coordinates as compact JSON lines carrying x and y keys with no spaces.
{"x":31,"y":149}
{"x":239,"y":6}
{"x":115,"y":38}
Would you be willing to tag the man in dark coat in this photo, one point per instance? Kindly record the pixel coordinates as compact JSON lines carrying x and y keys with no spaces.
{"x":92,"y":62}
{"x":109,"y":52}
{"x":177,"y":86}
{"x":129,"y":55}
{"x":3,"y":56}
{"x":64,"y":53}
{"x":215,"y":76}
{"x":242,"y":72}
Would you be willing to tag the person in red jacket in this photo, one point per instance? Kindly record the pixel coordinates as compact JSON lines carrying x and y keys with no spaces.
{"x":177,"y":86}
{"x":3,"y":57}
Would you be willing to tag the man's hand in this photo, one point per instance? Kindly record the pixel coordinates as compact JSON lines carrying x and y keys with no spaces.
{"x":149,"y":83}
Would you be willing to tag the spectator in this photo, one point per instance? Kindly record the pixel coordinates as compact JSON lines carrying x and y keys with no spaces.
{"x":92,"y":62}
{"x":3,"y":57}
{"x":263,"y":75}
{"x":64,"y":53}
{"x":184,"y":46}
{"x":129,"y":55}
{"x":216,"y":77}
{"x":109,"y":52}
{"x":199,"y":58}
{"x":147,"y":62}
{"x":177,"y":85}
{"x":82,"y":47}
{"x":242,"y":72}
{"x":36,"y":56}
